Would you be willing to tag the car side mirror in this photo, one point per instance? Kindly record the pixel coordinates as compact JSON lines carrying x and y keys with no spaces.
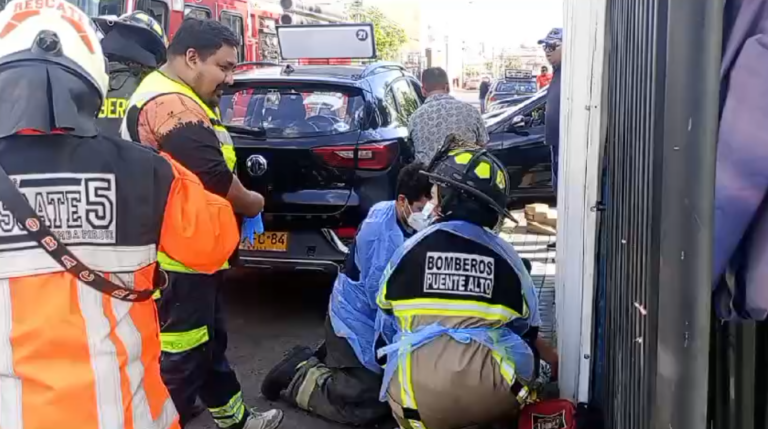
{"x":518,"y":121}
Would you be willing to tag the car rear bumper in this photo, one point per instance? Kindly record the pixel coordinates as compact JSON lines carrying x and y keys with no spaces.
{"x":307,"y":250}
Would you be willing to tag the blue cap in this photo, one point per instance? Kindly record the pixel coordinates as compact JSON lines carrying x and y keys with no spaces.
{"x":554,"y":35}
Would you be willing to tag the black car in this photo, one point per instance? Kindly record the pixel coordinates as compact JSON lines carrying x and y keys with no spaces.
{"x":322,"y":144}
{"x":507,"y":103}
{"x":517,"y":139}
{"x":508,"y":88}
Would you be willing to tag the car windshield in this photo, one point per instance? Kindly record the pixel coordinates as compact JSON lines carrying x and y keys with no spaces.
{"x":493,"y":120}
{"x":517,"y":87}
{"x":284,"y":113}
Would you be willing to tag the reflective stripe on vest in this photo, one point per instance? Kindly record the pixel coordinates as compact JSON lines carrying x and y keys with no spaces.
{"x":155,"y":85}
{"x":498,"y":314}
{"x":110,"y":379}
{"x":406,"y":309}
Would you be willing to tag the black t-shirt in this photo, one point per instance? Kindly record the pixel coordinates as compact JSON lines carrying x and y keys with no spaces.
{"x":178,"y":126}
{"x":444,"y":265}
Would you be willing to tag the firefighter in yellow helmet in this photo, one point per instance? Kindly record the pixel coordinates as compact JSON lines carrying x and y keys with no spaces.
{"x":78,"y":329}
{"x":466,"y":350}
{"x":134,"y":45}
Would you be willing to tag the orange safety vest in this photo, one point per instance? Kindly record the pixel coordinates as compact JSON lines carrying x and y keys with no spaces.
{"x":70,"y":356}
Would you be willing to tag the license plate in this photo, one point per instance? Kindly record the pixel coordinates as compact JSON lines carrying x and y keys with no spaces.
{"x":267,"y":242}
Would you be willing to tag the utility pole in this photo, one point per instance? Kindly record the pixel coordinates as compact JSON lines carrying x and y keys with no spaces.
{"x":357,"y":9}
{"x":447,"y":63}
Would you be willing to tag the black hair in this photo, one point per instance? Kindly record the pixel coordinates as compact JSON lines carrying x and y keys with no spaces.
{"x":434,"y":78}
{"x":206,"y":36}
{"x":412,"y":184}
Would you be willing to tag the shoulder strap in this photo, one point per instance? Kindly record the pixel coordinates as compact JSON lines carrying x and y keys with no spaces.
{"x":15,"y":202}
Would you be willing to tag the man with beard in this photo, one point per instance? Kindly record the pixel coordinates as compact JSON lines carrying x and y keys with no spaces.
{"x":175,"y":110}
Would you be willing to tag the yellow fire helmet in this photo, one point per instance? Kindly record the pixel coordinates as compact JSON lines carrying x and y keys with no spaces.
{"x":53,"y":31}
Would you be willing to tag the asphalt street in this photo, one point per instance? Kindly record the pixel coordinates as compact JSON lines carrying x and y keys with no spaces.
{"x":470,"y":97}
{"x":267,"y":315}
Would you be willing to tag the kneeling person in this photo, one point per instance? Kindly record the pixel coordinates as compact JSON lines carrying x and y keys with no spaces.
{"x":464,"y":306}
{"x":341,"y":382}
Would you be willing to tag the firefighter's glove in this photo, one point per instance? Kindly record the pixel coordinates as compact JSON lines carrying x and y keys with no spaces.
{"x":251,"y":227}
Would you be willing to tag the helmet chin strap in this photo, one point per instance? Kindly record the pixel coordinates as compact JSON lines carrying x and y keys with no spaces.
{"x":61,"y":100}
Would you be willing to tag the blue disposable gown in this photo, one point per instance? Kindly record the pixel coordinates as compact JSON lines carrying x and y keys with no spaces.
{"x":353,"y":308}
{"x":741,"y":215}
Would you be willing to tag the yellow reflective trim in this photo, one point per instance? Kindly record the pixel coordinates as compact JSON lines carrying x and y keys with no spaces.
{"x":177,"y":342}
{"x":230,"y":157}
{"x":432,"y":306}
{"x":229,"y":407}
{"x":381,"y":297}
{"x":156,"y":84}
{"x":506,"y":367}
{"x":231,"y":421}
{"x":405,"y":369}
{"x":381,"y":301}
{"x":113,"y":108}
{"x":463,"y":158}
{"x":501,"y":182}
{"x":231,"y":413}
{"x":156,"y":295}
{"x":483,"y":170}
{"x":169,"y":264}
{"x":455,"y":313}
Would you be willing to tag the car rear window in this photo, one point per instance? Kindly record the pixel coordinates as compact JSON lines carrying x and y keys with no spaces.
{"x":293,"y":112}
{"x":517,"y":87}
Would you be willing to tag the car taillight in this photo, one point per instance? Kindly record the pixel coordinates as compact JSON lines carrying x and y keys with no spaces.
{"x":493,"y":99}
{"x":346,"y":232}
{"x":371,"y":156}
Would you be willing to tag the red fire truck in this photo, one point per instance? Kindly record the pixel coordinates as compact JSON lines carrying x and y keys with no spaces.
{"x":253,"y":21}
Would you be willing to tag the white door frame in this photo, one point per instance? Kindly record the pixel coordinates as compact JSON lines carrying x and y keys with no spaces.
{"x":581,"y":137}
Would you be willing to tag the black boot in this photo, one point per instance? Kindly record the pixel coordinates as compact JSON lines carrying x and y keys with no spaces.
{"x":280,"y":376}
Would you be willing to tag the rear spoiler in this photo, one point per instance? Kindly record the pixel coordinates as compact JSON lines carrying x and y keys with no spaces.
{"x":258,"y":64}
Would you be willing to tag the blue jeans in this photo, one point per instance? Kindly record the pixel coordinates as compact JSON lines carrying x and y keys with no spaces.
{"x":482,"y":105}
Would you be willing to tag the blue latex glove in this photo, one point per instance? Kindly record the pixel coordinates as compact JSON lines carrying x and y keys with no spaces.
{"x":251,"y":227}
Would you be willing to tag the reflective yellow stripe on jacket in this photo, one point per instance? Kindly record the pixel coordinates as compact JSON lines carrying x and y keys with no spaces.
{"x":157,"y":84}
{"x":177,"y":342}
{"x":405,"y":310}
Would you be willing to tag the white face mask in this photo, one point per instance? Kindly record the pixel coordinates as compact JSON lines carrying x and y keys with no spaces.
{"x":422,"y":219}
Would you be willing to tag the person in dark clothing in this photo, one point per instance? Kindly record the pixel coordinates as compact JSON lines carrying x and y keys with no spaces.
{"x":485,"y":87}
{"x":134,"y":45}
{"x":552,"y":45}
{"x":341,"y":380}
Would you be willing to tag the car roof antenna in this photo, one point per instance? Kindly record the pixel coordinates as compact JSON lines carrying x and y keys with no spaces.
{"x":288,"y":69}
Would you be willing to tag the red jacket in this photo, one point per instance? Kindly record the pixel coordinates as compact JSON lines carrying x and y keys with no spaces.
{"x":543,"y":80}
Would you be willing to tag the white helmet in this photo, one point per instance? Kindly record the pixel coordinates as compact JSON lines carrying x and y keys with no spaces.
{"x":54,"y":31}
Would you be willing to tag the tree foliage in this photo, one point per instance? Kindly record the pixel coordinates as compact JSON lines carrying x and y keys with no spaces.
{"x":390,"y":37}
{"x":513,"y":63}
